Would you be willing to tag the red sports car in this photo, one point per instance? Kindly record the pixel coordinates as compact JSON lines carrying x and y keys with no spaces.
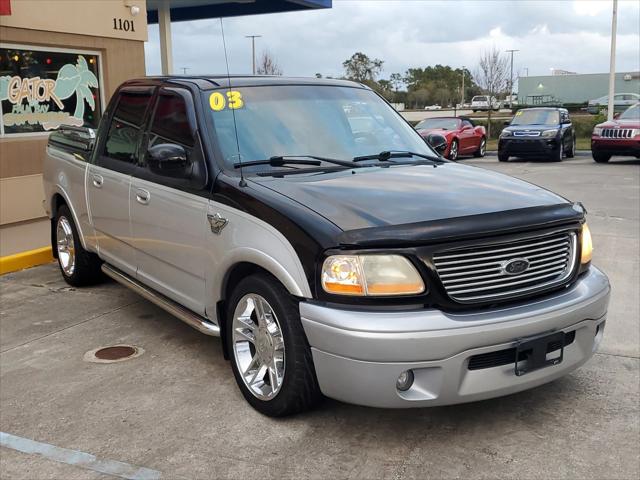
{"x":463,"y":137}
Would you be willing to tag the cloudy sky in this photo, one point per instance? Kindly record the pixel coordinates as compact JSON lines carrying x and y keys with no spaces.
{"x":569,"y":35}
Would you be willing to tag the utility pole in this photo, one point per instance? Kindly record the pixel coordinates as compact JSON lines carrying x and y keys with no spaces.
{"x":511,"y":76}
{"x":253,"y":50}
{"x":462,"y":102}
{"x":612,"y":62}
{"x":184,"y":70}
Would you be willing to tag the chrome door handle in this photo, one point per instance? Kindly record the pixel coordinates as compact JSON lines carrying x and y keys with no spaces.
{"x":142,"y":196}
{"x":97,"y":181}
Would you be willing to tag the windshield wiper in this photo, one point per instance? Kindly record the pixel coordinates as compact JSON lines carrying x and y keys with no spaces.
{"x":388,"y":154}
{"x":277,"y":162}
{"x":282,"y":160}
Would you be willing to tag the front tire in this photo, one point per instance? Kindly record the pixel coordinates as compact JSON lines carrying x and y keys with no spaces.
{"x":481,"y":149}
{"x":270,"y":356}
{"x":600,"y":157}
{"x":79,"y":267}
{"x":503,"y":157}
{"x":572,"y":151}
{"x":557,"y":155}
{"x":453,"y":150}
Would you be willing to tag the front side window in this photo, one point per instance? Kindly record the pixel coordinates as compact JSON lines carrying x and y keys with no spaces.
{"x":536,"y":117}
{"x":41,"y":90}
{"x":124,"y":131}
{"x":170,"y":120}
{"x":327,"y":121}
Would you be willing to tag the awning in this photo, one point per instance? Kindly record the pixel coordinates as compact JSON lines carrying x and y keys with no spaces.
{"x":183,"y":10}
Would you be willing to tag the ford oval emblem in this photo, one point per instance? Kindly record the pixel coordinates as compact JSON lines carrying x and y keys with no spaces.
{"x":515,"y":266}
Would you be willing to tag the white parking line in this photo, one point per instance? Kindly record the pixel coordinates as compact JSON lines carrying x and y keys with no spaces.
{"x":77,"y":458}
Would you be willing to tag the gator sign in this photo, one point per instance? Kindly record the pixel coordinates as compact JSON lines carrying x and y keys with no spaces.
{"x":32,"y":98}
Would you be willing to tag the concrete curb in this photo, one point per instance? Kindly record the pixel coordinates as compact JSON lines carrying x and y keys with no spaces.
{"x":22,"y":260}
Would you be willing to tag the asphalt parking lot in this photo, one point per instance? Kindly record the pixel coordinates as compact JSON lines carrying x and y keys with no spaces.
{"x":175,"y":410}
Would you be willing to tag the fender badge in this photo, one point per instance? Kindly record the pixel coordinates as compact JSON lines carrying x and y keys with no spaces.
{"x":217,"y":222}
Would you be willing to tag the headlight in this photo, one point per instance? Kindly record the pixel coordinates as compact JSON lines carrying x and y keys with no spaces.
{"x":549,"y":133}
{"x":370,"y":275}
{"x":505,"y":133}
{"x":587,"y":244}
{"x":597,"y":131}
{"x":635,"y":132}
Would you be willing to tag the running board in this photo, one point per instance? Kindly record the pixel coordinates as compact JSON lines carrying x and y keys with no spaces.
{"x":187,"y":316}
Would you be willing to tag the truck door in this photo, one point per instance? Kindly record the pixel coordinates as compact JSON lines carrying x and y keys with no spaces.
{"x":169,"y":198}
{"x":109,"y":178}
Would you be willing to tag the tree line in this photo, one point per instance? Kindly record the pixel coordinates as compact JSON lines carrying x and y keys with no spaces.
{"x":432,"y":85}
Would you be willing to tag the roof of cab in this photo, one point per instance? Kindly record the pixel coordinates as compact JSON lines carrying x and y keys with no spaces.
{"x":208,"y":82}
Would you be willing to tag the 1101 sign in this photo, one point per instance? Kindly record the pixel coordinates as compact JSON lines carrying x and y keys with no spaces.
{"x":124,"y":25}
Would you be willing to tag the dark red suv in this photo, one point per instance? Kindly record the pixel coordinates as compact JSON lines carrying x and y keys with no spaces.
{"x":621,"y":136}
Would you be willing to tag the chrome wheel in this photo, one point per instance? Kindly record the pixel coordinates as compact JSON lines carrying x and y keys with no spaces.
{"x":66,"y":246}
{"x":483,"y":147}
{"x":453,"y":151}
{"x":258,"y":346}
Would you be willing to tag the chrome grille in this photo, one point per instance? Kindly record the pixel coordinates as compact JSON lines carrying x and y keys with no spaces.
{"x":480,"y":273}
{"x":617,"y":133}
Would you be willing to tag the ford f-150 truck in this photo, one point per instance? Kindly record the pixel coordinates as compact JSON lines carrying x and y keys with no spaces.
{"x":332,"y":249}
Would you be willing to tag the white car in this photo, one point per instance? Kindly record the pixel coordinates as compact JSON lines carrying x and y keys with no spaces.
{"x":433,"y":107}
{"x":482,"y":102}
{"x":621,"y":101}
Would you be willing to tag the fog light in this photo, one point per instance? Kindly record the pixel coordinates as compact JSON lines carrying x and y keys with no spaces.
{"x":405,"y":380}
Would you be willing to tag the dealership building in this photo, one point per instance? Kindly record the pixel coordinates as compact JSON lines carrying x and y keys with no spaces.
{"x":60,"y":62}
{"x":574,"y":88}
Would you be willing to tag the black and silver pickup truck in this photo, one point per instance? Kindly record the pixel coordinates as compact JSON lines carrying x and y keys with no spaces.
{"x":332,"y":249}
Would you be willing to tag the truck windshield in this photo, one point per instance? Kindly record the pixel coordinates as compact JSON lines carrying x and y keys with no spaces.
{"x":536,"y":117}
{"x":291,"y":120}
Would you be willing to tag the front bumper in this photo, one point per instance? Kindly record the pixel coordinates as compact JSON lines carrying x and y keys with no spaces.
{"x":359,"y":355}
{"x":616,"y":146}
{"x":528,"y":146}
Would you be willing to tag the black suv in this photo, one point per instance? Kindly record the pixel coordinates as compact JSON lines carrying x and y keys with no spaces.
{"x":538,"y":132}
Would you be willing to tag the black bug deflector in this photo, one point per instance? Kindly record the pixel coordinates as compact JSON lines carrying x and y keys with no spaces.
{"x":459,"y":228}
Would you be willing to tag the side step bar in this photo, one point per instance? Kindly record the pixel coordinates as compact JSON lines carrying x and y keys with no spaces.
{"x":187,"y":316}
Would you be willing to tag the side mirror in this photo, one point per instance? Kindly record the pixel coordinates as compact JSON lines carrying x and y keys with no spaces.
{"x":81,"y":138}
{"x":506,"y":123}
{"x":437,"y":142}
{"x":169,"y":160}
{"x":616,"y":116}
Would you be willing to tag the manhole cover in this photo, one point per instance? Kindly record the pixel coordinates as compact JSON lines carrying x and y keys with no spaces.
{"x":113,"y":353}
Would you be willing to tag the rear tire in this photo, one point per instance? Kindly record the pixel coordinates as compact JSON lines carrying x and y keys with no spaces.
{"x":79,"y":267}
{"x":600,"y":157}
{"x":270,"y":356}
{"x":481,"y":149}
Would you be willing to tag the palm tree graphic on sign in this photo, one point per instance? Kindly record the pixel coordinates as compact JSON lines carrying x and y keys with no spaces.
{"x":77,"y":79}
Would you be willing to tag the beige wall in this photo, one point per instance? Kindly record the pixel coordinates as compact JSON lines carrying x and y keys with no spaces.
{"x":86,"y":17}
{"x":21,"y":158}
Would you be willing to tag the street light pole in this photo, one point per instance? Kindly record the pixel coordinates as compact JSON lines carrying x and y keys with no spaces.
{"x":612,"y":62}
{"x":253,"y":50}
{"x":511,"y":76}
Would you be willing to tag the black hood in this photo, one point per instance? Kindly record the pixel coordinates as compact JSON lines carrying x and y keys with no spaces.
{"x":382,"y":197}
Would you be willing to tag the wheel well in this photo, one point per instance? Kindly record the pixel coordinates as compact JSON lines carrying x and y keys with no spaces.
{"x":232,"y":278}
{"x":56,"y":202}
